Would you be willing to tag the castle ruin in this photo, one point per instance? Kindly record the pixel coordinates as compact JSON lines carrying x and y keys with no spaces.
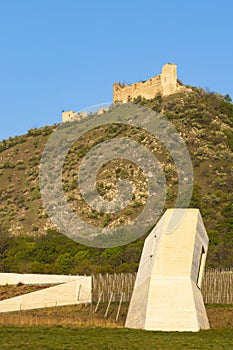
{"x":70,"y":116}
{"x":165,"y":84}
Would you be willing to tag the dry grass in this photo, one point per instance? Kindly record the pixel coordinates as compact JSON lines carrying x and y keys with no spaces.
{"x":77,"y":315}
{"x":10,"y":291}
{"x":217,"y":288}
{"x":220,"y":316}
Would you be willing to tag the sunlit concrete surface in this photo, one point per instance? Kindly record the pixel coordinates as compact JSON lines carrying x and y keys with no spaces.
{"x":75,"y":292}
{"x":167,"y":294}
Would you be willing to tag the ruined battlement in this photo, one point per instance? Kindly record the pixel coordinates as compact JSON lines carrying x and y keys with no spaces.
{"x":70,"y":116}
{"x":165,"y":84}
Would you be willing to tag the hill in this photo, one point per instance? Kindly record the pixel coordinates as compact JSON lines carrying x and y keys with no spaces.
{"x":29,"y":242}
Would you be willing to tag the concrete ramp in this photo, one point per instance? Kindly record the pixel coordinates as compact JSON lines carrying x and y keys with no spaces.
{"x":71,"y":293}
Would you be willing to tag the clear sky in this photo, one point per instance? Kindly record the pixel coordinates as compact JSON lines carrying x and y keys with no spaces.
{"x":66,"y":54}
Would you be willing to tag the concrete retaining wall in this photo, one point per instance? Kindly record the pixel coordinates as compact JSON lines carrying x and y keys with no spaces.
{"x":71,"y":293}
{"x":15,"y":278}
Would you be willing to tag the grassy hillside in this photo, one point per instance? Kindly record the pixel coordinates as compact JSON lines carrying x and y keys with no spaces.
{"x":29,"y":242}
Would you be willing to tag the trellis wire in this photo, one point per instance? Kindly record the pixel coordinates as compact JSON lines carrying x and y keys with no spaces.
{"x":217,"y":286}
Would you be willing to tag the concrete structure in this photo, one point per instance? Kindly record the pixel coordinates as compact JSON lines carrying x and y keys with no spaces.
{"x":165,"y":84}
{"x":27,"y":278}
{"x":78,"y":291}
{"x":167,"y":294}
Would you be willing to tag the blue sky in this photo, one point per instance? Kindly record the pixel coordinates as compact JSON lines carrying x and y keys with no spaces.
{"x":66,"y":54}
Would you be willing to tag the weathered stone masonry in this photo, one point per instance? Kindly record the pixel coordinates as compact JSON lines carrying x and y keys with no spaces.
{"x":165,"y":84}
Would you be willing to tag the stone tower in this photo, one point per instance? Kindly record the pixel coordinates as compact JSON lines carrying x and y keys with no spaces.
{"x":165,"y":84}
{"x":169,"y":79}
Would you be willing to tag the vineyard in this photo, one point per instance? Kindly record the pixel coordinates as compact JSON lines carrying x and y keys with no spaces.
{"x":111,"y":296}
{"x":217,"y":287}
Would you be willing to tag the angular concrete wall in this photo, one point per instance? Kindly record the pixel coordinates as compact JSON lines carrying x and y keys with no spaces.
{"x":167,"y":293}
{"x":15,"y":278}
{"x":71,"y":293}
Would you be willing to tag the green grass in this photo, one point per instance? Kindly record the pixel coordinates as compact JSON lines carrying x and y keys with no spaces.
{"x":46,"y":338}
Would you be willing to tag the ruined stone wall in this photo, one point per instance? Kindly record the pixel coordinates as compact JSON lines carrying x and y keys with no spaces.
{"x":164,"y":83}
{"x":69,"y":116}
{"x":147,"y":89}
